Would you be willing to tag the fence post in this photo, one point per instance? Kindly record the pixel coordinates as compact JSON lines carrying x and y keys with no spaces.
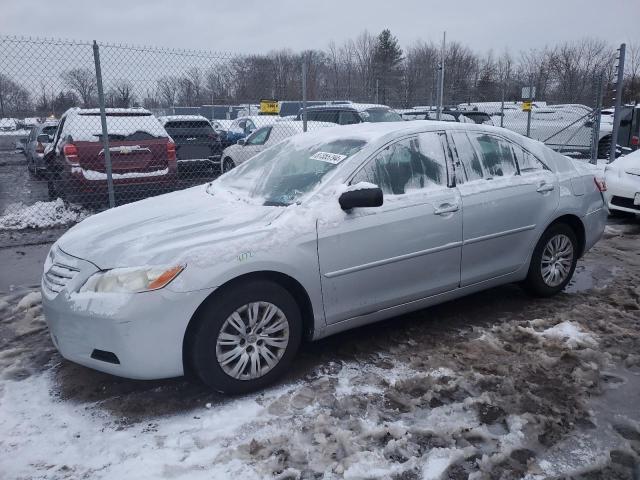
{"x":502,"y":107}
{"x":530,"y":109}
{"x":595,"y":129}
{"x":441,"y":78}
{"x":618,"y":105}
{"x":304,"y":94}
{"x":103,"y":120}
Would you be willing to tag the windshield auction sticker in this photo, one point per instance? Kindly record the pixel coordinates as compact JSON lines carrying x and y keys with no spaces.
{"x":333,"y":158}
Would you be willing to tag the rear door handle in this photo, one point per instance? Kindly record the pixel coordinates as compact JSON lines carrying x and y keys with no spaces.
{"x":545,"y":187}
{"x":446,"y":208}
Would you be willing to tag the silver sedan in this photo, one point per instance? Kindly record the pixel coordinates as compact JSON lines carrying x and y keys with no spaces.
{"x":320,"y":233}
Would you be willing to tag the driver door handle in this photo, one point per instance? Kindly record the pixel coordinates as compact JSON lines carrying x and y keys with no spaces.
{"x":544,"y":187}
{"x":445,"y":208}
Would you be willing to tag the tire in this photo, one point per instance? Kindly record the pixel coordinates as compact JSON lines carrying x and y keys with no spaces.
{"x":215,"y":337}
{"x":561,"y":239}
{"x":227,"y":164}
{"x":52,"y":190}
{"x":31,"y":168}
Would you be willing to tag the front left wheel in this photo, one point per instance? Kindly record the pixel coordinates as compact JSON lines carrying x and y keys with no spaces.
{"x":245,"y":337}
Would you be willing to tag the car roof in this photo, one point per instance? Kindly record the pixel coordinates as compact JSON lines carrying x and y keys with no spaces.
{"x":182,"y":118}
{"x":96,"y":111}
{"x":359,"y":107}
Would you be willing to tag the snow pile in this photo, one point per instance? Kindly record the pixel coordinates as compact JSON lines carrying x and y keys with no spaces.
{"x":19,"y":216}
{"x":570,"y":334}
{"x":29,"y":300}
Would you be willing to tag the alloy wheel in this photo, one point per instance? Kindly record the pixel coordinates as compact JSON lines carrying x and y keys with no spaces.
{"x":252,"y":340}
{"x":557,"y":259}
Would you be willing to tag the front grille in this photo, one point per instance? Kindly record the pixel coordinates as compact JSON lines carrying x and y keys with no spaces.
{"x":624,"y":203}
{"x":58,"y":276}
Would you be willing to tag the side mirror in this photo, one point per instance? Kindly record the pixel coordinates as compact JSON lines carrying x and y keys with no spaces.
{"x":361,"y":195}
{"x":43,"y":138}
{"x":242,"y":141}
{"x":588,"y":123}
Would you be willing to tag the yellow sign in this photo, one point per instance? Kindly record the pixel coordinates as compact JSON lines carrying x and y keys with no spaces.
{"x":526,"y":106}
{"x":269,"y":107}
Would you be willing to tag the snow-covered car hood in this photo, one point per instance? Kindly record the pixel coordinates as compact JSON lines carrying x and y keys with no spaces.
{"x":163,"y":229}
{"x":628,"y":163}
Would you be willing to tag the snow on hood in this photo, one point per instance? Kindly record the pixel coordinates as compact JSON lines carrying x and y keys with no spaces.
{"x":627,"y":162}
{"x":164,"y":229}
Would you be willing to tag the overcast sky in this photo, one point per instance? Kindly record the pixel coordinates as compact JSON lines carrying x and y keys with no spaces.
{"x":258,"y":26}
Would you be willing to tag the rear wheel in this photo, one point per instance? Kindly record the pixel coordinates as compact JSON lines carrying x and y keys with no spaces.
{"x":553,"y":261}
{"x":245,"y":337}
{"x":227,"y":165}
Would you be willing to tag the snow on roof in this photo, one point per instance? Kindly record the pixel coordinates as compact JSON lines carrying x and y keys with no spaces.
{"x":96,"y":111}
{"x":356,"y":106}
{"x":88,"y":127}
{"x":182,"y":118}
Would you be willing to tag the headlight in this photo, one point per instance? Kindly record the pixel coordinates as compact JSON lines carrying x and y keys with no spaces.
{"x":132,"y":280}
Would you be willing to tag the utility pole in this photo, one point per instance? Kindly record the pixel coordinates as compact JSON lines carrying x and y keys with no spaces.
{"x":618,"y":103}
{"x":441,"y":78}
{"x":377,"y":89}
{"x":304,"y":93}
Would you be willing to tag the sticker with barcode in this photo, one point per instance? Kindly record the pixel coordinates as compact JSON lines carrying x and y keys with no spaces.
{"x":328,"y":157}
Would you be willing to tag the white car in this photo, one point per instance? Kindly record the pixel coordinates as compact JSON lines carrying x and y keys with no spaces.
{"x":623,"y":183}
{"x":262,"y":138}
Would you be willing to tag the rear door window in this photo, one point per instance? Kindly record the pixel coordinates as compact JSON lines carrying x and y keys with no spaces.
{"x":496,"y":155}
{"x":526,"y":161}
{"x":348,"y":118}
{"x":330,"y":116}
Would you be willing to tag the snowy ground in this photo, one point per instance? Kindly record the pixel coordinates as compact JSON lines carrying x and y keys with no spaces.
{"x":494,"y":386}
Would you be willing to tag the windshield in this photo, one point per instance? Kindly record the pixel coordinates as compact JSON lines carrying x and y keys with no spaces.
{"x":380,"y":115}
{"x":282,"y":174}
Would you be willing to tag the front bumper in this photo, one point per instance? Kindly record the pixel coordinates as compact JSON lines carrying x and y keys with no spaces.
{"x":621,"y":191}
{"x":144,"y":331}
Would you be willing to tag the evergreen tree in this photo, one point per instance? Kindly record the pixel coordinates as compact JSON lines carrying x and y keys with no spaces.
{"x":387,"y":62}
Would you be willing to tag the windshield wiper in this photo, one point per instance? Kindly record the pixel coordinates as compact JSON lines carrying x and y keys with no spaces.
{"x":275,"y":203}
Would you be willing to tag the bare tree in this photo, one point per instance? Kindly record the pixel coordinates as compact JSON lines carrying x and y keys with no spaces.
{"x":14,"y":99}
{"x":168,"y":90}
{"x":83,"y":81}
{"x":632,"y":73}
{"x":121,"y":94}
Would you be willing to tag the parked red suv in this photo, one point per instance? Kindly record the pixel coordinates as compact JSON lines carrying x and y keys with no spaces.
{"x":143,"y":156}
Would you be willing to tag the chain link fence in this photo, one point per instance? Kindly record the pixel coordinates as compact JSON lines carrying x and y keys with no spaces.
{"x":86,"y":126}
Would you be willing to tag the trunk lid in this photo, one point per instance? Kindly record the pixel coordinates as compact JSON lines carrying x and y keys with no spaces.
{"x":126,"y":156}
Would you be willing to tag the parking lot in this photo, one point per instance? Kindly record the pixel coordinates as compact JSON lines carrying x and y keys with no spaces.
{"x":498,"y":384}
